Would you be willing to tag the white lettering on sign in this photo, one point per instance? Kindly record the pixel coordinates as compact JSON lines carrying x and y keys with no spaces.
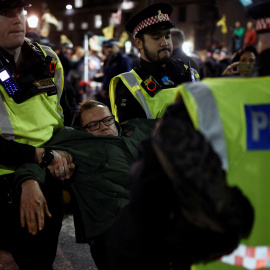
{"x":260,"y":122}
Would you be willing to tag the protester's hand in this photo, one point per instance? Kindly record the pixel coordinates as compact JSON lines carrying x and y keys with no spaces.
{"x":33,"y":207}
{"x":229,"y":71}
{"x":62,"y":166}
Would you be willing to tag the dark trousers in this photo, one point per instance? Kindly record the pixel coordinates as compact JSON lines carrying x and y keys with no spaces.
{"x":142,"y":237}
{"x":30,"y":252}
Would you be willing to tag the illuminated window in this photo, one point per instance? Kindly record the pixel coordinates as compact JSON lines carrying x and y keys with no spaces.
{"x":71,"y":26}
{"x":98,"y":21}
{"x":84,"y":25}
{"x":78,"y":3}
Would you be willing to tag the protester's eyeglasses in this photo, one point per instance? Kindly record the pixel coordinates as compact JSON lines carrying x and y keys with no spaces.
{"x":109,"y":120}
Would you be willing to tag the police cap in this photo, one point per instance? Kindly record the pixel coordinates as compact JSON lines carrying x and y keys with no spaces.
{"x":260,"y":11}
{"x":13,"y":4}
{"x":153,"y":17}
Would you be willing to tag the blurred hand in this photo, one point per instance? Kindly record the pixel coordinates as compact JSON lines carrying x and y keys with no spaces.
{"x":62,"y":166}
{"x":229,"y":71}
{"x":33,"y":207}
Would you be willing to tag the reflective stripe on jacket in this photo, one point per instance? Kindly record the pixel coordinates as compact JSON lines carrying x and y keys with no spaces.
{"x":234,"y":115}
{"x":154,"y":107}
{"x":35,"y":120}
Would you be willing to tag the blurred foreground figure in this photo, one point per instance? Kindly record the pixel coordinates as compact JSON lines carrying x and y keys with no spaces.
{"x":233,"y":114}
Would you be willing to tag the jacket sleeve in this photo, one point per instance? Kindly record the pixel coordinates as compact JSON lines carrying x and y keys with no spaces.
{"x":14,"y":153}
{"x":29,"y":171}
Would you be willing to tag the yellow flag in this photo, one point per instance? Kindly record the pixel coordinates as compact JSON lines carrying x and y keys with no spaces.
{"x":65,"y":39}
{"x":123,"y":38}
{"x":222,"y":23}
{"x":108,"y":31}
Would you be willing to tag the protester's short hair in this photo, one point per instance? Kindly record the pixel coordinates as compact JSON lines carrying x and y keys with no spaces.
{"x":83,"y":106}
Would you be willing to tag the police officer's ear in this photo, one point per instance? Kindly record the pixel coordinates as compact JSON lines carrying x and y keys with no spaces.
{"x":138,"y":43}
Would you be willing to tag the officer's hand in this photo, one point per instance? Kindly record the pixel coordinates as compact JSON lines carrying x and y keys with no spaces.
{"x":33,"y":207}
{"x":62,"y":166}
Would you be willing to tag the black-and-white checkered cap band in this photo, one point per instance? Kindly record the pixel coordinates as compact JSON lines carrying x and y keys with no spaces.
{"x":263,"y":24}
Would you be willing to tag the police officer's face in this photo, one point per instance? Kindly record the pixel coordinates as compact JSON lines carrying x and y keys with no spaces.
{"x":156,"y":47}
{"x":95,"y":114}
{"x":12,"y":28}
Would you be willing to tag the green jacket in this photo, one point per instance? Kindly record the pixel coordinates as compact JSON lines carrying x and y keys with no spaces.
{"x":100,"y":183}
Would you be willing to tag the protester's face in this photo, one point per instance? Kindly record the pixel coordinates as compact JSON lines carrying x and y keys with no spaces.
{"x":12,"y":28}
{"x":95,"y":114}
{"x":247,"y":58}
{"x":156,"y":47}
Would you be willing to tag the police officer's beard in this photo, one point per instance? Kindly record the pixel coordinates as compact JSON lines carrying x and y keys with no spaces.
{"x":155,"y":58}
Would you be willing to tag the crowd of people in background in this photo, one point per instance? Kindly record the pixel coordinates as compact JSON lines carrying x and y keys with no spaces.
{"x":216,"y":61}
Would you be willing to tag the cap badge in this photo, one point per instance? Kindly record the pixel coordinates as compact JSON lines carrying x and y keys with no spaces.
{"x":160,"y":15}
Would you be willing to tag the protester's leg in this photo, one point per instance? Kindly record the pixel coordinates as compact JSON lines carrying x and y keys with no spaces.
{"x":99,"y":252}
{"x":136,"y":240}
{"x":39,"y":251}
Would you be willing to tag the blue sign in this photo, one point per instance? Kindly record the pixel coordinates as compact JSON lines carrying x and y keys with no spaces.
{"x":258,"y":127}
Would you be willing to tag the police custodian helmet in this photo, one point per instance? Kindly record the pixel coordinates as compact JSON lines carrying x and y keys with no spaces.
{"x":13,"y":3}
{"x":260,"y":11}
{"x":156,"y":15}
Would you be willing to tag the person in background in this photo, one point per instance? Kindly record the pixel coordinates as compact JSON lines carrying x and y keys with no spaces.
{"x":134,"y":57}
{"x":211,"y":64}
{"x":238,"y":37}
{"x":134,"y":94}
{"x":246,"y":57}
{"x":116,"y":63}
{"x":31,"y":85}
{"x":224,"y":60}
{"x":178,"y":38}
{"x":250,"y":35}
